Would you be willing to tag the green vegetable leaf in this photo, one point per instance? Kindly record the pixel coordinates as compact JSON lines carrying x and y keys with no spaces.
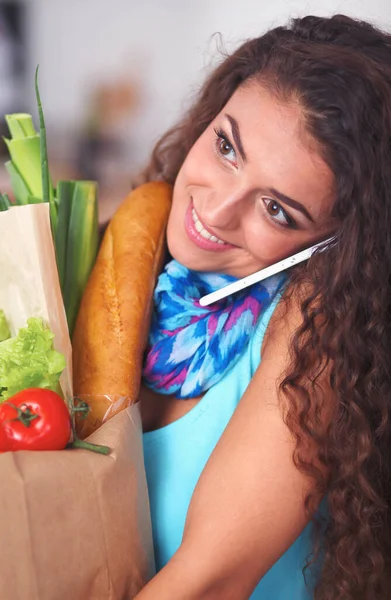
{"x":47,"y":191}
{"x":4,"y":202}
{"x":5,"y":333}
{"x":25,"y":164}
{"x":29,"y":360}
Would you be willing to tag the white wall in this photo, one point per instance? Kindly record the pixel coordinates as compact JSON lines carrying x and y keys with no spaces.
{"x":167,"y":43}
{"x":245,"y":18}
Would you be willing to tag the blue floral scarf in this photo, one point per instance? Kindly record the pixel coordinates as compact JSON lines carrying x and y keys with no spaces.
{"x":191,"y":347}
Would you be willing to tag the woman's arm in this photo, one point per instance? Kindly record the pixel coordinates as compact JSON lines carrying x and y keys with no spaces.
{"x":248,"y":506}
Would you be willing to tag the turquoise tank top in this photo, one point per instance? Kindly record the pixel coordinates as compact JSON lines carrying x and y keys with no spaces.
{"x":176,"y":454}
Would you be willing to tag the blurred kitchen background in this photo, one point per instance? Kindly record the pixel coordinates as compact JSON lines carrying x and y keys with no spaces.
{"x":115,"y":74}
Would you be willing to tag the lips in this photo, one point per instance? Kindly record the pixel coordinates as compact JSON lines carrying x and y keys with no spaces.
{"x":202,"y":230}
{"x":201,"y":235}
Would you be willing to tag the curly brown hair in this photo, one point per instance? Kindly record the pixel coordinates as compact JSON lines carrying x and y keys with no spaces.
{"x":340,"y":71}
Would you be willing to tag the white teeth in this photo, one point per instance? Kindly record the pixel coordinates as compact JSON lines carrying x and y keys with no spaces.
{"x":202,"y":231}
{"x":198,"y":226}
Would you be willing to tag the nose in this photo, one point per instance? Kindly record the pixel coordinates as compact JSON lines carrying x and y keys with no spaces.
{"x":224,"y":208}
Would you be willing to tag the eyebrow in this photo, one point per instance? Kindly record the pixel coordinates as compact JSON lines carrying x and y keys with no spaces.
{"x":236,"y":136}
{"x":292,"y":203}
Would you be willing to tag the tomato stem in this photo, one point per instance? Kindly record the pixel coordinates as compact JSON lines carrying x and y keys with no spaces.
{"x":88,"y":446}
{"x":83,"y":408}
{"x":24,"y":414}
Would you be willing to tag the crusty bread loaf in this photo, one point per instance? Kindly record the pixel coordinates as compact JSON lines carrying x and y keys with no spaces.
{"x":112,"y":326}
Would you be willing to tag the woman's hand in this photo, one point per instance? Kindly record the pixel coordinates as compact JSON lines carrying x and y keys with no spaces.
{"x":248,"y":506}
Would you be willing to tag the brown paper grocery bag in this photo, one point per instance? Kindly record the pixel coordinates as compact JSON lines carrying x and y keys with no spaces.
{"x":75,"y":525}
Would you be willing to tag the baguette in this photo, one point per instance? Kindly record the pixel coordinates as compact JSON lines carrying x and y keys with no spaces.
{"x":113,"y":322}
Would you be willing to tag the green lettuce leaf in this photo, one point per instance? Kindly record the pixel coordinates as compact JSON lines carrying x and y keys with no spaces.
{"x":4,"y":329}
{"x":29,"y":360}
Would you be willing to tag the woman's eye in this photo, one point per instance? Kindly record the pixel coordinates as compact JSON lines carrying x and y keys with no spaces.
{"x":224,"y":146}
{"x":277,"y":212}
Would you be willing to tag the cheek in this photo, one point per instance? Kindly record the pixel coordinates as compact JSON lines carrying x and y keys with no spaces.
{"x":195,"y":173}
{"x":176,"y":236}
{"x":175,"y":220}
{"x":174,"y":239}
{"x":268,"y":245}
{"x":179,"y":197}
{"x":199,"y":167}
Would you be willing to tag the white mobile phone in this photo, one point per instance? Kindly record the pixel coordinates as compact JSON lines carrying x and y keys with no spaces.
{"x":282,"y":265}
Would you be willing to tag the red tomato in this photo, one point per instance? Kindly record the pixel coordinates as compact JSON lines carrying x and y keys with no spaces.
{"x":34,"y":419}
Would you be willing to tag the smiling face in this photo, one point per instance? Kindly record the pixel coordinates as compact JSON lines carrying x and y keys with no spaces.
{"x":252,"y":190}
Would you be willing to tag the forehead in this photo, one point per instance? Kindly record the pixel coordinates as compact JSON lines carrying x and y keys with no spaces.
{"x":280,"y":151}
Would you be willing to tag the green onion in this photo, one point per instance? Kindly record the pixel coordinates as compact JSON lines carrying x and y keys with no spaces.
{"x":65,"y":191}
{"x":47,"y":191}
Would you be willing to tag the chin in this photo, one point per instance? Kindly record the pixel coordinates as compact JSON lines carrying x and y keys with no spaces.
{"x":187,"y":259}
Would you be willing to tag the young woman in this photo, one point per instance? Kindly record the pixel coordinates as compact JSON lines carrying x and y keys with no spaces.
{"x":267,"y":416}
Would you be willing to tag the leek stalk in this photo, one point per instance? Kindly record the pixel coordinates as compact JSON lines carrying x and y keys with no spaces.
{"x":24,"y":167}
{"x":81,"y":245}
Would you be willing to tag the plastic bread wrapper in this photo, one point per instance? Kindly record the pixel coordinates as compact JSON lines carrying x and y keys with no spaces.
{"x":74,"y":525}
{"x":105,"y":407}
